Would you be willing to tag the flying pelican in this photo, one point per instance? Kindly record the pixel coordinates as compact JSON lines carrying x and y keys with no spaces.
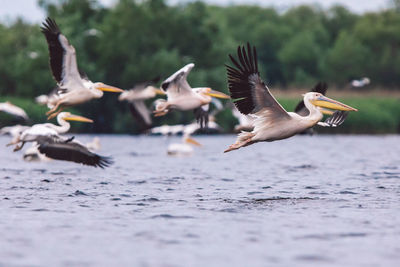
{"x":11,"y":109}
{"x":14,"y":131}
{"x":58,"y":148}
{"x":184,"y":148}
{"x":136,"y":97}
{"x":252,"y":96}
{"x":47,"y":129}
{"x":74,"y":88}
{"x":360,"y":83}
{"x":183,"y":97}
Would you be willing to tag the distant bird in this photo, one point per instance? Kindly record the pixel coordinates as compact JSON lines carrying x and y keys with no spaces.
{"x":47,"y":129}
{"x":94,"y":145}
{"x":13,"y":110}
{"x":74,"y":88}
{"x":360,"y":83}
{"x":252,"y":96}
{"x":58,"y":148}
{"x":181,"y":96}
{"x":183,"y":149}
{"x":32,"y":154}
{"x":136,"y":97}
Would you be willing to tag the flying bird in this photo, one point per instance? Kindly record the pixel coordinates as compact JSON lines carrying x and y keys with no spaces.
{"x":74,"y":87}
{"x":181,"y":96}
{"x":137,"y":96}
{"x":13,"y":110}
{"x":58,"y":148}
{"x":47,"y":129}
{"x":272,"y":122}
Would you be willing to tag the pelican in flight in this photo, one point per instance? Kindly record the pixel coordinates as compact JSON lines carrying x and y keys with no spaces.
{"x":11,"y":109}
{"x":56,"y":147}
{"x":183,"y":149}
{"x":272,"y":122}
{"x":181,"y":96}
{"x":47,"y":129}
{"x":74,"y":88}
{"x":136,"y":97}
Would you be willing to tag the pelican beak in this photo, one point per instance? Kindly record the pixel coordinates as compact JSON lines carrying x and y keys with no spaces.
{"x":217,"y":94}
{"x":109,"y":88}
{"x":159,"y":91}
{"x":326,"y":111}
{"x":192,"y":141}
{"x":326,"y":102}
{"x":77,"y":118}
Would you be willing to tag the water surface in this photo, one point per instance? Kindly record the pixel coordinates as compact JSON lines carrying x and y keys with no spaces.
{"x":320,"y":200}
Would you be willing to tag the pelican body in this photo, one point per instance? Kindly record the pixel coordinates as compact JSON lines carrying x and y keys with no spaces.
{"x":181,"y":96}
{"x":74,"y":88}
{"x":272,"y":122}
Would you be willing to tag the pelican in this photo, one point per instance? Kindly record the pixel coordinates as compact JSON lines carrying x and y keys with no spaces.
{"x":136,"y":97}
{"x":47,"y":129}
{"x":181,"y":96}
{"x":272,"y":122}
{"x":32,"y":154}
{"x":11,"y":109}
{"x":360,"y":83}
{"x":74,"y":88}
{"x":14,"y":131}
{"x":184,"y":148}
{"x":58,"y":148}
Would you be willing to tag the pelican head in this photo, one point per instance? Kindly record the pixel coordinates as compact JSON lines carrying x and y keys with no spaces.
{"x":209,"y":92}
{"x":323,"y":102}
{"x":67,"y":116}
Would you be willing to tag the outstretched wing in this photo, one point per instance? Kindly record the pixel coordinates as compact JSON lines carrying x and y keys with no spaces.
{"x":62,"y":56}
{"x":335,"y":120}
{"x":141,"y":113}
{"x":71,"y":151}
{"x":177,"y":84}
{"x":320,"y":87}
{"x":248,"y":91}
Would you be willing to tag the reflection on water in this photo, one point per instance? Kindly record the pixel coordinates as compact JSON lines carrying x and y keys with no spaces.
{"x":331,"y":200}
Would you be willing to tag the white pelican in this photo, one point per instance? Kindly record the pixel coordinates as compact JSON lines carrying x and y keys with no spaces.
{"x":58,"y":148}
{"x":360,"y":83}
{"x":272,"y":122}
{"x":184,"y":148}
{"x":136,"y":97}
{"x":32,"y":154}
{"x":14,"y":131}
{"x":183,"y":97}
{"x":47,"y":129}
{"x":95,"y":145}
{"x":74,"y":88}
{"x":11,"y":109}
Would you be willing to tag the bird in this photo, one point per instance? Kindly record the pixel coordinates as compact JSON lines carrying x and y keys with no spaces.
{"x":74,"y":86}
{"x":137,"y":96}
{"x":360,"y":83}
{"x":14,"y":131}
{"x":272,"y":122}
{"x":183,"y":149}
{"x":32,"y":154}
{"x":181,"y":96}
{"x":58,"y":148}
{"x":13,"y":110}
{"x":47,"y":129}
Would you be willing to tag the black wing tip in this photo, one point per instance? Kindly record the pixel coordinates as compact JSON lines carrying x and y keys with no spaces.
{"x":104,"y":162}
{"x":50,"y":26}
{"x":320,"y":87}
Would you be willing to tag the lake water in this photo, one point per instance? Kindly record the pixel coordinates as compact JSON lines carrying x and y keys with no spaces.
{"x":305,"y":201}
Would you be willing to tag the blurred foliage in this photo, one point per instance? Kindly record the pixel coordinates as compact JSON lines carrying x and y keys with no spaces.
{"x":134,"y":41}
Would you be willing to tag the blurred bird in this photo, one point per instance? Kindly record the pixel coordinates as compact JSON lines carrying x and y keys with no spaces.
{"x":137,"y":97}
{"x":58,"y":148}
{"x":13,"y":110}
{"x":183,"y":149}
{"x":74,"y":88}
{"x":360,"y":83}
{"x":181,"y":96}
{"x":32,"y":154}
{"x":252,"y":96}
{"x":47,"y":129}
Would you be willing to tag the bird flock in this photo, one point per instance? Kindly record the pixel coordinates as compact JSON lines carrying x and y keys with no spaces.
{"x":261,"y":118}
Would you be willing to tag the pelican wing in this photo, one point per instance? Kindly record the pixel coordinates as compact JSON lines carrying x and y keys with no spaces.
{"x":71,"y":151}
{"x":201,"y":115}
{"x":177,"y":84}
{"x":141,"y":113}
{"x":320,"y":87}
{"x":248,"y":91}
{"x":62,"y":56}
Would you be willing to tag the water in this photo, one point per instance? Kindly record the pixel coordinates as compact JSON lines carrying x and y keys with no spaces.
{"x":321,"y":200}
